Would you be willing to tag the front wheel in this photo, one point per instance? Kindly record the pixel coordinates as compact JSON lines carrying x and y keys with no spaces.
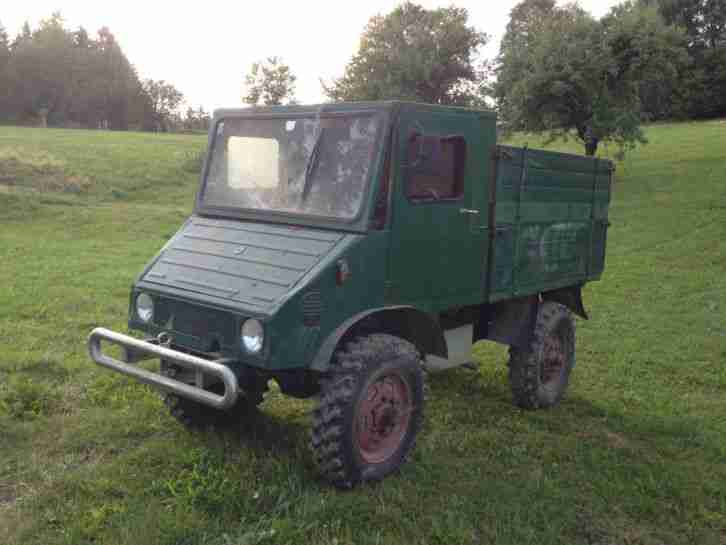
{"x":370,"y":410}
{"x":539,"y":373}
{"x":197,"y":416}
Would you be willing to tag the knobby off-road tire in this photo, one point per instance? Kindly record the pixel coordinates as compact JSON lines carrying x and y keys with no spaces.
{"x":539,"y":374}
{"x":370,"y":410}
{"x":197,"y":416}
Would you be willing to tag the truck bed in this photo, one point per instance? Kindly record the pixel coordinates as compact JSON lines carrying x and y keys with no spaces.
{"x":549,"y":216}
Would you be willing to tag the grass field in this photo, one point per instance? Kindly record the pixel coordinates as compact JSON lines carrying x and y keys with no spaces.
{"x":636,"y":454}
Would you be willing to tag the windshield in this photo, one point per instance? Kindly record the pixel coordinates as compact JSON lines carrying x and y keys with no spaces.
{"x":316,"y":165}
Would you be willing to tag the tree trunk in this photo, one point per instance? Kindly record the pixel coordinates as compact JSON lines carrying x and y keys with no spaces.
{"x":591,"y":146}
{"x":43,"y":117}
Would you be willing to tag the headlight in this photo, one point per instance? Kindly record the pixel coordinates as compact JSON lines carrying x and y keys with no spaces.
{"x":253,"y":336}
{"x":144,"y":307}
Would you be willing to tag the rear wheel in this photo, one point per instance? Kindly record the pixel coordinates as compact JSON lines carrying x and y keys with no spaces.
{"x":370,"y":410}
{"x":539,"y":373}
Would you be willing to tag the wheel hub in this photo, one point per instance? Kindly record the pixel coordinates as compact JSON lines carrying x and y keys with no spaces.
{"x":554,"y":359}
{"x":383,"y":418}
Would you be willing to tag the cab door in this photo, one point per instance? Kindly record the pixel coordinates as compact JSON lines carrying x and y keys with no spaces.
{"x":438,"y":243}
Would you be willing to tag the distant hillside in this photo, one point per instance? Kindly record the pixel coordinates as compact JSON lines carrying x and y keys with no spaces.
{"x":98,"y":164}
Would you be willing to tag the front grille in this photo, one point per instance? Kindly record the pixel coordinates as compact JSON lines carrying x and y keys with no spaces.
{"x":204,"y":323}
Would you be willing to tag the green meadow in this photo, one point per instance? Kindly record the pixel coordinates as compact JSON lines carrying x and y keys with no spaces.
{"x":635,"y":455}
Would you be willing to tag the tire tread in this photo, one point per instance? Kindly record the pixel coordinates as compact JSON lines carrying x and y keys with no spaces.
{"x":329,"y":418}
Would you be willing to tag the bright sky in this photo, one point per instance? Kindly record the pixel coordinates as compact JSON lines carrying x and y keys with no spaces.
{"x":206,"y":48}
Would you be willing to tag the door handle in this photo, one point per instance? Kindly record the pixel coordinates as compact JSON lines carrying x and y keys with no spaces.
{"x":468,"y":211}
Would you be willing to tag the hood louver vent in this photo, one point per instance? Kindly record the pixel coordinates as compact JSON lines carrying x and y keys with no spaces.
{"x":312,"y":308}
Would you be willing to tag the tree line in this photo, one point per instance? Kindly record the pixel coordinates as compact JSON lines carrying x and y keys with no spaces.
{"x":559,"y":71}
{"x":52,"y":76}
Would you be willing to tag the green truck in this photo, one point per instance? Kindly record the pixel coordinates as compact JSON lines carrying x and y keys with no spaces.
{"x":342,"y":250}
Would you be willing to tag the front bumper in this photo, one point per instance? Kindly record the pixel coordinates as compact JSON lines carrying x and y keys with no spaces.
{"x":138,"y":347}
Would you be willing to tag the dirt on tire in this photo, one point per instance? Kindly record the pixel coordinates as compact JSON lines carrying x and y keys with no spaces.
{"x":335,"y":439}
{"x":539,"y":373}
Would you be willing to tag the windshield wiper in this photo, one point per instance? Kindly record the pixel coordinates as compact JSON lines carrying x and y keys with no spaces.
{"x":311,"y":165}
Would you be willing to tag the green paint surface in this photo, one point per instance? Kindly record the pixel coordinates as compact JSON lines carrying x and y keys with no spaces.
{"x":525,"y":221}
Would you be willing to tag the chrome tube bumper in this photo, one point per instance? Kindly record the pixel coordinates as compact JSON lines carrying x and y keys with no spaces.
{"x":195,"y":393}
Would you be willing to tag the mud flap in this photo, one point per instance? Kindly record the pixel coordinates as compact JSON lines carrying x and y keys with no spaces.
{"x":571,"y":297}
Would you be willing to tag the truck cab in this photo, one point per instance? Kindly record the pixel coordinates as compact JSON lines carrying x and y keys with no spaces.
{"x":340,"y":250}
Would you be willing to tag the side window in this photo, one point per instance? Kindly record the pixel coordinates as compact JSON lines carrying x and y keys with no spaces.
{"x":435,"y":167}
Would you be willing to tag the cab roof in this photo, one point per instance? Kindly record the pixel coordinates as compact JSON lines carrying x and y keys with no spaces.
{"x":332,"y":107}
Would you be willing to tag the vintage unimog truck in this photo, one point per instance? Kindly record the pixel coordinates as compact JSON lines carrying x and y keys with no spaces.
{"x":340,"y":250}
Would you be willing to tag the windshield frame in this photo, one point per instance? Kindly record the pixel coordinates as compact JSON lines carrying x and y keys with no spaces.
{"x":358,"y":223}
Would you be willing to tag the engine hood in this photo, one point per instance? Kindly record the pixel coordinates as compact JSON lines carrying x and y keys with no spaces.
{"x":245,"y":266}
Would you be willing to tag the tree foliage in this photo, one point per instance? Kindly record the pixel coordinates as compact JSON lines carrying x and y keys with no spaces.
{"x":415,"y":54}
{"x":162,"y":102}
{"x":563,"y":72}
{"x":4,"y":48}
{"x":526,"y":21}
{"x":702,"y":86}
{"x":196,"y":120}
{"x":4,"y":76}
{"x":704,"y":21}
{"x":269,"y":82}
{"x":54,"y":76}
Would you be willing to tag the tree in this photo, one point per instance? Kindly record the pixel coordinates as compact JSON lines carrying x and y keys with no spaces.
{"x":107,"y":90}
{"x":526,"y":21}
{"x":63,"y":78}
{"x":5,"y":82}
{"x":574,"y":74}
{"x":4,"y":48}
{"x":703,"y":20}
{"x":40,"y":65}
{"x":416,"y":54}
{"x":163,"y":99}
{"x":25,"y":33}
{"x":703,"y":83}
{"x":196,"y":120}
{"x":652,"y":58}
{"x":269,"y":82}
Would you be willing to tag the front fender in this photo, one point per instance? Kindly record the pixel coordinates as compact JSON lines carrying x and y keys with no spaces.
{"x":403,"y":321}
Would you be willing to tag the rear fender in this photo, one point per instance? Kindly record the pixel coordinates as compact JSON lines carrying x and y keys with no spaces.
{"x":512,"y":322}
{"x":509,"y":322}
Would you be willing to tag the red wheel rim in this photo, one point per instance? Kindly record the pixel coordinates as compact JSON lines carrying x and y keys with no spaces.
{"x":554,"y":359}
{"x":383,"y":415}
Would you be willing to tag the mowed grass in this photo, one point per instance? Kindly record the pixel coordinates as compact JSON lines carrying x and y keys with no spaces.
{"x":636,"y":454}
